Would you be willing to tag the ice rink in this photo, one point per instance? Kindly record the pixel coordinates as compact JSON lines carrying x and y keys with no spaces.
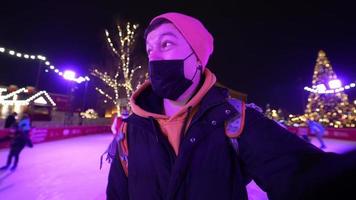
{"x":69,"y":169}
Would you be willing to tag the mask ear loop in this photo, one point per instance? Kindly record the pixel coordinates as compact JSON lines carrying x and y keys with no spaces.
{"x":188,"y":56}
{"x":200,"y":68}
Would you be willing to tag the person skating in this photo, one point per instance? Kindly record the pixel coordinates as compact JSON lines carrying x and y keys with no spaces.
{"x":19,"y":141}
{"x":318,"y":130}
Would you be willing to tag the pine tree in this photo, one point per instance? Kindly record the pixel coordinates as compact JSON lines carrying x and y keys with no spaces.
{"x":327,"y":102}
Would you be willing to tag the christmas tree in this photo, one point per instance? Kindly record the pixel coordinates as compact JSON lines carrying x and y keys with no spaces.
{"x":327,"y":102}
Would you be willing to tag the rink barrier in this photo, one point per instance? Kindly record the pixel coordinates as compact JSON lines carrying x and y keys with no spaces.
{"x":39,"y":135}
{"x":334,"y":133}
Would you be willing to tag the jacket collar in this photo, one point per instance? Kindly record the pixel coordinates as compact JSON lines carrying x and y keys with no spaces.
{"x":150,"y":102}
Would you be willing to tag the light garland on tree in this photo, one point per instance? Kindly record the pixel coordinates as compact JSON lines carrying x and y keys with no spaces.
{"x":321,"y":89}
{"x":42,"y":59}
{"x":123,"y":75}
{"x":327,"y":102}
{"x":105,"y":94}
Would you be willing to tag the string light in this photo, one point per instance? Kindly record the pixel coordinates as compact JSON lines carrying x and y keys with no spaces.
{"x":89,"y":114}
{"x":40,"y":58}
{"x":12,"y":99}
{"x":329,"y":106}
{"x":123,"y":75}
{"x":314,"y":89}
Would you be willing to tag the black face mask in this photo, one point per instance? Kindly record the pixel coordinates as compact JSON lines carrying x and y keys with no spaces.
{"x":167,"y":78}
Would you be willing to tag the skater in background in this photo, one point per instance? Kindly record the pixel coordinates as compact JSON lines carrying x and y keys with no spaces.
{"x":20,"y":140}
{"x":318,"y":130}
{"x":11,"y":125}
{"x":10,"y":120}
{"x":25,"y":127}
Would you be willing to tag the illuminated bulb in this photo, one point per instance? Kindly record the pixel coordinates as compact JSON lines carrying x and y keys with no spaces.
{"x":334,"y":84}
{"x":321,"y":88}
{"x":40,"y":57}
{"x":12,"y":52}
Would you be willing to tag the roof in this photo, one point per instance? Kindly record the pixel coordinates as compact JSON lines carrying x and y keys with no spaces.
{"x":22,"y":95}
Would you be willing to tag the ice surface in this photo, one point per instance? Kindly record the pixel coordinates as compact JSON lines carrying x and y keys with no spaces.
{"x":69,"y":169}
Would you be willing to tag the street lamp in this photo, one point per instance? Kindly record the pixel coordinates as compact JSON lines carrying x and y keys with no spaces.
{"x":71,"y":76}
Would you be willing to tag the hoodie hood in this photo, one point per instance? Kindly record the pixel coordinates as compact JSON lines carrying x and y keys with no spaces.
{"x":171,"y":127}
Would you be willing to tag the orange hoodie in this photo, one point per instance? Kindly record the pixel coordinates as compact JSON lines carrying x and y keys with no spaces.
{"x":171,"y":126}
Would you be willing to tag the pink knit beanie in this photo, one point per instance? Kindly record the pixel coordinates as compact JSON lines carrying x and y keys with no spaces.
{"x":194,"y":32}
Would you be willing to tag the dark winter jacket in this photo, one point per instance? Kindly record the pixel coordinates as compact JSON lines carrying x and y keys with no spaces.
{"x":10,"y":121}
{"x":207,"y":167}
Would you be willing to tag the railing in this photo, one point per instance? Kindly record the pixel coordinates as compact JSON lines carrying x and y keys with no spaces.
{"x":336,"y":133}
{"x":39,"y":135}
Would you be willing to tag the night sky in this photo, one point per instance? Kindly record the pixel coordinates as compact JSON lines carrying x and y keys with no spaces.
{"x":267,"y":50}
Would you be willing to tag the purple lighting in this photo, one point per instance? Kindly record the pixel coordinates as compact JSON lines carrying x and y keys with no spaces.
{"x":334,"y":84}
{"x":69,"y":75}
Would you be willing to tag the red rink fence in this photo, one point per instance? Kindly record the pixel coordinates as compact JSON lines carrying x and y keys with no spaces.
{"x":335,"y":133}
{"x":39,"y":135}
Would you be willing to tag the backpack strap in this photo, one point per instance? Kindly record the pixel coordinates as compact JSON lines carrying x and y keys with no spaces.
{"x":233,"y":130}
{"x":234,"y":127}
{"x":122,"y":148}
{"x":119,"y":147}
